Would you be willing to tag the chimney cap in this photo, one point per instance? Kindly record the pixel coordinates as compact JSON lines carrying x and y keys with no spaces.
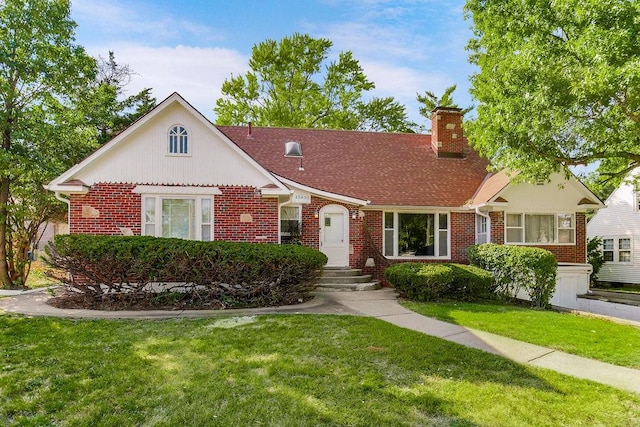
{"x":446,"y":109}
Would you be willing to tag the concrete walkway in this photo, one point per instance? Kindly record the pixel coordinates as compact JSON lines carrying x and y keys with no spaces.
{"x":383,"y":305}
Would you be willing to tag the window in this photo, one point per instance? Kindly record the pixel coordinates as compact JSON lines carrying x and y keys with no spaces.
{"x":290,"y":224}
{"x":607,"y":249}
{"x":617,"y":249}
{"x":416,"y":234}
{"x":181,"y":217}
{"x":178,"y":140}
{"x":481,"y":230}
{"x":540,"y":228}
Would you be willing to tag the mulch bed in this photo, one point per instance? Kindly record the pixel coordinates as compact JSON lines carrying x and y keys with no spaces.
{"x":177,"y":301}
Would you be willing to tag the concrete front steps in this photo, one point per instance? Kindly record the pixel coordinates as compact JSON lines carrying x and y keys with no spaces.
{"x":346,"y":279}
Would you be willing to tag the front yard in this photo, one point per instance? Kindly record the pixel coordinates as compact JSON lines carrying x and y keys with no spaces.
{"x":584,"y":336}
{"x":292,"y":370}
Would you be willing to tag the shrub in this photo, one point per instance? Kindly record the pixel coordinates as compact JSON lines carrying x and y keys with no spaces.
{"x":470,"y":283}
{"x":594,"y":256}
{"x":518,"y":267}
{"x":246,"y":274}
{"x":429,"y":282}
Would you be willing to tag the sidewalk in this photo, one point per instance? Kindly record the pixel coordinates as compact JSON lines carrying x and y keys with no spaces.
{"x":383,"y":305}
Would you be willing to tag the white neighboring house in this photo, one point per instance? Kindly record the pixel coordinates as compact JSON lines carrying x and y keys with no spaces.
{"x":619,"y":228}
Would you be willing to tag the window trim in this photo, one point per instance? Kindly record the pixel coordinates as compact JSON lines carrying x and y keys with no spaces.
{"x":159,"y":197}
{"x":479,"y":220}
{"x":187,"y":135}
{"x":616,"y":249}
{"x":524,"y":228}
{"x":436,"y":238}
{"x":291,"y":205}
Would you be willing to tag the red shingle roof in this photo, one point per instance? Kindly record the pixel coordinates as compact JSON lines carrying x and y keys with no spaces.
{"x":385,"y":168}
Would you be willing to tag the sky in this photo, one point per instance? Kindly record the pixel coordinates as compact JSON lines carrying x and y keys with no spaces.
{"x":192,"y":46}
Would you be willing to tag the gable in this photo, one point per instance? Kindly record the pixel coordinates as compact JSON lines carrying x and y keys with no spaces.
{"x":141,"y":155}
{"x":558,"y":195}
{"x":621,"y":215}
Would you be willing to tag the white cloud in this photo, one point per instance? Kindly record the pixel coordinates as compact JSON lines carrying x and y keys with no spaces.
{"x":196,"y":73}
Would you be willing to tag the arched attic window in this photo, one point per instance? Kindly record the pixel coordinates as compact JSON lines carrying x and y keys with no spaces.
{"x":178,"y":140}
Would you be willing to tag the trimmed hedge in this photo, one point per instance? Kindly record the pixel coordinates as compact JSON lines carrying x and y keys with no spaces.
{"x":429,"y":282}
{"x":242,"y":274}
{"x":518,"y":267}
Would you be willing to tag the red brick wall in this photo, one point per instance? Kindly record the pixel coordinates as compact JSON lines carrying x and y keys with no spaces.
{"x":105,"y":206}
{"x":463,"y":234}
{"x":310,"y":235}
{"x":497,"y":227}
{"x":235,"y":201}
{"x":116,"y":204}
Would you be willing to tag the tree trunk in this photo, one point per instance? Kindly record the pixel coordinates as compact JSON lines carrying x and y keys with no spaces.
{"x":5,"y":280}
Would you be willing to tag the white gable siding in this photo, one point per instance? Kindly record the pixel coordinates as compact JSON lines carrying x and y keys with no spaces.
{"x":619,"y":219}
{"x":557,"y":196}
{"x":142,"y":158}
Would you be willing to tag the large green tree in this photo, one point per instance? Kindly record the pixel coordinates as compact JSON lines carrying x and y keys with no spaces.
{"x":558,"y":84}
{"x":41,"y":69}
{"x":105,"y":104}
{"x":291,"y":84}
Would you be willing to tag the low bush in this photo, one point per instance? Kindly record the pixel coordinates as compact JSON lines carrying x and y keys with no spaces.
{"x":518,"y":267}
{"x":429,"y":282}
{"x":107,"y":269}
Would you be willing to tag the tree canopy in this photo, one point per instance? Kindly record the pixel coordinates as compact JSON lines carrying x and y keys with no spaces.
{"x":291,"y":84}
{"x":104,"y":103}
{"x":430,"y":101}
{"x":558,"y":84}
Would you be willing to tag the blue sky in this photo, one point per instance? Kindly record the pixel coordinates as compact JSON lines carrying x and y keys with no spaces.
{"x":192,"y":46}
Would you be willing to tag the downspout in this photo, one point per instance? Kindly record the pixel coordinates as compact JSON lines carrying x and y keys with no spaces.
{"x":484,"y":215}
{"x":68,"y":203}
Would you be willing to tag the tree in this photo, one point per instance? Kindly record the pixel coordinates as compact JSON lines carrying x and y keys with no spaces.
{"x":430,"y":101}
{"x":289,"y":85}
{"x":40,"y":70}
{"x":558,"y":84}
{"x":105,"y":105}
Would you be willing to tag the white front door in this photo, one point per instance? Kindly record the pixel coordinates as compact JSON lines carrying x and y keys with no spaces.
{"x":334,"y":235}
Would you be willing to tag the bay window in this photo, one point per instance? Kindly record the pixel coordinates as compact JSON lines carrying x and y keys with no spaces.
{"x":416,"y":234}
{"x":540,"y":228}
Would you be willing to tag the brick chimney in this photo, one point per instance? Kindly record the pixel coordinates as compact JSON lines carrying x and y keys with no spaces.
{"x":446,"y":132}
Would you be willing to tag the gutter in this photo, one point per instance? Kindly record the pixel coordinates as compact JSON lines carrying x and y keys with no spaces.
{"x":68,"y":203}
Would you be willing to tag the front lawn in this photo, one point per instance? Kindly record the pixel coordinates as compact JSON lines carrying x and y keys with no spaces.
{"x":585,"y":336}
{"x":295,"y":370}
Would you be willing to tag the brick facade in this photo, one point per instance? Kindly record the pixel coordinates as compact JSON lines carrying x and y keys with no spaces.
{"x":104,"y":208}
{"x":242,"y":214}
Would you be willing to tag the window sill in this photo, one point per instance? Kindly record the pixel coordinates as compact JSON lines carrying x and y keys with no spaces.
{"x":539,"y":244}
{"x":439,"y":258}
{"x":177,"y":155}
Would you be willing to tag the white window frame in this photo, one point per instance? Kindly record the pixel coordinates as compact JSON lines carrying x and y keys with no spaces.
{"x":280,"y":232}
{"x":523,"y":228}
{"x":436,"y":235}
{"x":157,"y":224}
{"x":483,"y":222}
{"x":187,"y":135}
{"x":616,"y":249}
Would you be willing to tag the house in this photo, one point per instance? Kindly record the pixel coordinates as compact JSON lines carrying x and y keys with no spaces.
{"x":365,"y":199}
{"x":619,"y":228}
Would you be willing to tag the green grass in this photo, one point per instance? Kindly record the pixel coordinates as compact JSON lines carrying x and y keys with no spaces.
{"x":38,"y":277}
{"x":296,"y":370}
{"x":585,"y":336}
